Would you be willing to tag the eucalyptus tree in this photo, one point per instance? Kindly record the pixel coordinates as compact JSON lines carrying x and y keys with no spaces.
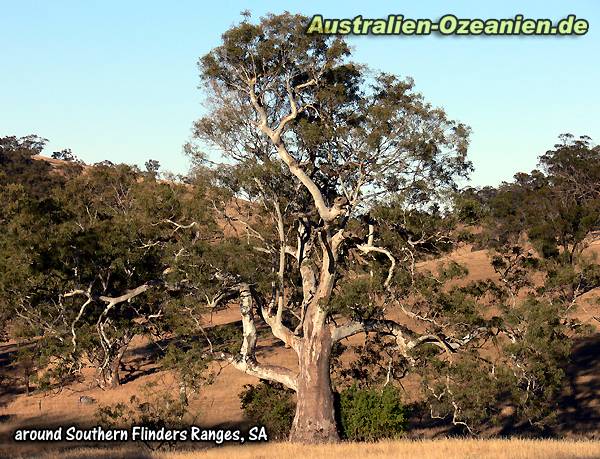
{"x":539,"y":227}
{"x":126,"y":232}
{"x":557,"y":208}
{"x":317,"y":146}
{"x":86,"y":266}
{"x":26,"y":183}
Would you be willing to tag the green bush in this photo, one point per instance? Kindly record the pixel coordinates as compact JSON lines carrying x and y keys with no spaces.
{"x":363,"y":414}
{"x":371,"y":414}
{"x":270,"y":405}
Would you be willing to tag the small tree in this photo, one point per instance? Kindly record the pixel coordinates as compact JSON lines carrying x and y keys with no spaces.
{"x":66,"y":155}
{"x":152,"y":167}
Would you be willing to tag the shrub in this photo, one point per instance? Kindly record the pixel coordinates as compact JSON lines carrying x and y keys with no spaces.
{"x":363,"y":414}
{"x":271,"y":405}
{"x":371,"y":414}
{"x":156,"y":409}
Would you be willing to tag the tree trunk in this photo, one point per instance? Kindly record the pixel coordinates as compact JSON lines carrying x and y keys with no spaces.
{"x":110,"y":375}
{"x":314,"y":421}
{"x":114,"y":380}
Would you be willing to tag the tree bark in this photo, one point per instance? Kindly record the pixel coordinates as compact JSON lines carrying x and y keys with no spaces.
{"x":314,"y":421}
{"x":114,"y":379}
{"x":110,"y":375}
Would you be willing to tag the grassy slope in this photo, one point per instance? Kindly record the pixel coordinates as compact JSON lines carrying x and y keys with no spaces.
{"x":218,"y":403}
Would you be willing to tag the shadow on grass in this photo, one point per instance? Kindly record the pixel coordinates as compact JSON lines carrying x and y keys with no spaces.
{"x":579,"y":411}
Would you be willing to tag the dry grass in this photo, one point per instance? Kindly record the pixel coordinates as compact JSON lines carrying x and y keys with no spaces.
{"x":426,"y":449}
{"x":86,"y":453}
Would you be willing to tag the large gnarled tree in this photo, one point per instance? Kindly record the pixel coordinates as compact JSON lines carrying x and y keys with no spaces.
{"x":317,"y":142}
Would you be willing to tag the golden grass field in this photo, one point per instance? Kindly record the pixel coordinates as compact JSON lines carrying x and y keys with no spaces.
{"x":430,"y":449}
{"x":425,"y":449}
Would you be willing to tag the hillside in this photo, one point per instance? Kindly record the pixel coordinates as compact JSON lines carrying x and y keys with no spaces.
{"x":218,"y":403}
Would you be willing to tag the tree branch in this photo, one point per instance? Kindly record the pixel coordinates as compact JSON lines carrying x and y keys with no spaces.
{"x":246,"y":360}
{"x":405,"y":338}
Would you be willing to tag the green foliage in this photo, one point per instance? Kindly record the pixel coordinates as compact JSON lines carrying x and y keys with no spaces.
{"x":366,"y":414}
{"x":515,"y":267}
{"x":424,"y":231}
{"x":539,"y":357}
{"x":371,"y":414}
{"x":472,"y":205}
{"x":352,"y":128}
{"x":226,"y":338}
{"x":190,"y":364}
{"x":377,"y":363}
{"x":19,"y":166}
{"x":101,"y":232}
{"x":526,"y":374}
{"x":66,"y":155}
{"x":441,"y":302}
{"x":467,"y":391}
{"x":557,"y":206}
{"x":270,"y":405}
{"x":357,"y":298}
{"x":119,"y":234}
{"x":567,"y":282}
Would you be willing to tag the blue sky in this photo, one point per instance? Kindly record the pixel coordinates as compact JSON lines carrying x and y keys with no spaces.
{"x":118,"y":80}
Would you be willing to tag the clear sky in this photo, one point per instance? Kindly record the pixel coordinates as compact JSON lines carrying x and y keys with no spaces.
{"x":118,"y":80}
